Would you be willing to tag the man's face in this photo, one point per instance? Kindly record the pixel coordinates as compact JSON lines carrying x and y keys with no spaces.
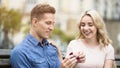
{"x":45,"y":26}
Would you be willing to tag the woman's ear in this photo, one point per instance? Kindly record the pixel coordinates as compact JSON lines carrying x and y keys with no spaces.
{"x":78,"y":25}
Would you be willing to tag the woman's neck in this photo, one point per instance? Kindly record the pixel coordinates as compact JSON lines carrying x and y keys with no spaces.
{"x":91,"y":42}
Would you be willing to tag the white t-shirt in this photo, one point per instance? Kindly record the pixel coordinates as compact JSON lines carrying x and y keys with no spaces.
{"x":95,"y":57}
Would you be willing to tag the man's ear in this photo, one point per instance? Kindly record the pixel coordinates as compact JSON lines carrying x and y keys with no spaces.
{"x":34,"y":21}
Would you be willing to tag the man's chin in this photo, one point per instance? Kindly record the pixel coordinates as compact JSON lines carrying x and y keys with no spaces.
{"x":46,"y":37}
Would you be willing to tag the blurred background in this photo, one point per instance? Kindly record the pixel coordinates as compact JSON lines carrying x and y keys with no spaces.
{"x":15,"y":20}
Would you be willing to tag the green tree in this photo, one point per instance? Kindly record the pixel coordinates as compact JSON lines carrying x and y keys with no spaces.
{"x":10,"y":22}
{"x":63,"y":37}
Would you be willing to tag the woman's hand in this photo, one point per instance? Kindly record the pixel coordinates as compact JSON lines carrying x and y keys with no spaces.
{"x":80,"y":57}
{"x":58,"y":50}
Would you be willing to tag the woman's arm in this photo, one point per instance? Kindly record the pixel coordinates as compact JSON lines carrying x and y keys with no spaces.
{"x":109,"y":63}
{"x":109,"y":60}
{"x":68,"y":62}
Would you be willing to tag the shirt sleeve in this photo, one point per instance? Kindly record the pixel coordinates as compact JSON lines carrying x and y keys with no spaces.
{"x":110,"y":52}
{"x":18,"y":59}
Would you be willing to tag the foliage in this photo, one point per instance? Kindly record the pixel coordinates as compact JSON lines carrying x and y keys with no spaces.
{"x":10,"y":23}
{"x":27,"y":29}
{"x":10,"y":20}
{"x":62,"y":36}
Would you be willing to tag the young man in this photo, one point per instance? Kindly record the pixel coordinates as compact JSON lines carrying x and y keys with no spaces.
{"x":35,"y":51}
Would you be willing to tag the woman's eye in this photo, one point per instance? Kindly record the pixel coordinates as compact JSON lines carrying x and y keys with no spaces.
{"x":82,"y":24}
{"x":90,"y":24}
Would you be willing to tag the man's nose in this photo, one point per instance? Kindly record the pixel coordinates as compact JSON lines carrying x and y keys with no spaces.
{"x":51,"y":27}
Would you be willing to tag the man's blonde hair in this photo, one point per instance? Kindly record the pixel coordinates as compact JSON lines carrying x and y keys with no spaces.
{"x":40,"y":9}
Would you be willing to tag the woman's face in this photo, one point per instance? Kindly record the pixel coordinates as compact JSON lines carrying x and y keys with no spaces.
{"x":88,"y":28}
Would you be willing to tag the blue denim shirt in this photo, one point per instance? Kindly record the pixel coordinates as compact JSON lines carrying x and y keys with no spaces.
{"x":31,"y":54}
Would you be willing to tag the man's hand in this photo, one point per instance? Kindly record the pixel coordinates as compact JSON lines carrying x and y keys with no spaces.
{"x":68,"y":62}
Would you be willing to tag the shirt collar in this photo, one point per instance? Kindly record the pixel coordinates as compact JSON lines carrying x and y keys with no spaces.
{"x":45,"y":42}
{"x":35,"y":42}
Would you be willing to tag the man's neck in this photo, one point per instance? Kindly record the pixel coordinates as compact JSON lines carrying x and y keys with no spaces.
{"x":33,"y":33}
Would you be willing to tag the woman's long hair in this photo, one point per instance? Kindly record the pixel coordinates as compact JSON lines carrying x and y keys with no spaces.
{"x":102,"y":36}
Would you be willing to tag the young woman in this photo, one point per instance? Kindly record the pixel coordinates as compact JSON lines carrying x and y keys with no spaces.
{"x":93,"y":41}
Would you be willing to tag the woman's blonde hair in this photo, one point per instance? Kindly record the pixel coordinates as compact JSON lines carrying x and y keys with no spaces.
{"x":102,"y":36}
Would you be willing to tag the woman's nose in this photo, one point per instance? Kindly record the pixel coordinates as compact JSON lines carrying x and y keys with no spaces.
{"x":86,"y":27}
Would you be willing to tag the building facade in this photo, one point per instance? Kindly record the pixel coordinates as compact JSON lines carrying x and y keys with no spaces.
{"x":68,"y":12}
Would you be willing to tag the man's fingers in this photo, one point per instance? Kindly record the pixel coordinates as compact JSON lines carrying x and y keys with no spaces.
{"x":72,"y":62}
{"x":69,"y":62}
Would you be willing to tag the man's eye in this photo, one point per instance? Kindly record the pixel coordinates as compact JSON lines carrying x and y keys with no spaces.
{"x":48,"y":23}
